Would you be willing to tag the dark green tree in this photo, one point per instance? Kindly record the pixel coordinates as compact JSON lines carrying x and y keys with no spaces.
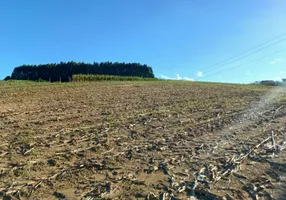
{"x":64,"y":71}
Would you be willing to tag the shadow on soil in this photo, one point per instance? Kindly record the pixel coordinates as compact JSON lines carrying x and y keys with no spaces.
{"x":278,"y":173}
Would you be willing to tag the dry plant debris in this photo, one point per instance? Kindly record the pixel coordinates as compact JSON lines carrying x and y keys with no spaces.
{"x":133,"y":140}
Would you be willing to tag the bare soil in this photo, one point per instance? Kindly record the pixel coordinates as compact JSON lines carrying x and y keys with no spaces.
{"x":135,"y":140}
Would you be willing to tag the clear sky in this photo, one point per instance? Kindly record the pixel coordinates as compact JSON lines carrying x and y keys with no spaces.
{"x":178,"y":38}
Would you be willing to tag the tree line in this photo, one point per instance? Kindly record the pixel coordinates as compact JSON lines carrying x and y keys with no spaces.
{"x":65,"y":70}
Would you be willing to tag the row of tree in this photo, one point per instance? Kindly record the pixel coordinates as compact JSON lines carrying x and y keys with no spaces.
{"x":64,"y":71}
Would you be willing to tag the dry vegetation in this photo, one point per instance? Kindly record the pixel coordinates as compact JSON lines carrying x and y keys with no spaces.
{"x":141,"y":140}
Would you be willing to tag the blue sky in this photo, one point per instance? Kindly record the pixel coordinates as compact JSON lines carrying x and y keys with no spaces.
{"x":178,"y":38}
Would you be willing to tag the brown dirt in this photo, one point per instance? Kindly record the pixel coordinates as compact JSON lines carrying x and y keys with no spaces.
{"x":134,"y":140}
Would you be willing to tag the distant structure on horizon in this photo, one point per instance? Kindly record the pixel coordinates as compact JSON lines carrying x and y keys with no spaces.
{"x":268,"y":82}
{"x":271,"y":82}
